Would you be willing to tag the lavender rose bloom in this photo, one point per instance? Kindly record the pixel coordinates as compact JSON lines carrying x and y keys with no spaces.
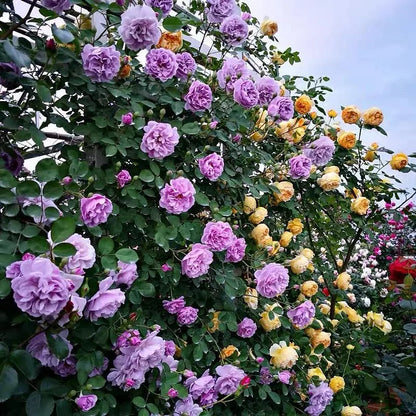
{"x":126,"y":275}
{"x":229,"y":379}
{"x":123,"y":178}
{"x":41,"y":290}
{"x":13,"y":270}
{"x":268,"y":88}
{"x":178,"y":196}
{"x":199,"y":97}
{"x":235,"y":30}
{"x":187,"y":407}
{"x":272,"y":280}
{"x":66,"y":367}
{"x":246,"y":328}
{"x":319,"y":398}
{"x":284,"y":376}
{"x":84,"y":258}
{"x":97,"y":371}
{"x":300,"y":167}
{"x":10,"y":74}
{"x":196,"y":262}
{"x":281,"y":107}
{"x":58,"y":6}
{"x":86,"y":402}
{"x":101,"y":63}
{"x":13,"y":160}
{"x":159,"y":139}
{"x":95,"y":210}
{"x":164,"y":5}
{"x":197,"y":386}
{"x":127,"y":119}
{"x":302,"y":315}
{"x":236,"y":251}
{"x":266,"y":376}
{"x":187,"y":315}
{"x":218,"y":10}
{"x":211,"y":166}
{"x":170,"y":348}
{"x":245,"y":93}
{"x":232,"y":69}
{"x":139,"y":27}
{"x":161,"y":64}
{"x":218,"y":236}
{"x":186,"y":65}
{"x":320,"y":151}
{"x":174,"y":306}
{"x":105,"y":303}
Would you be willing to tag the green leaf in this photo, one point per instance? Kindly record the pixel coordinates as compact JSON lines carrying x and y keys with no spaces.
{"x":410,"y":328}
{"x":64,"y":36}
{"x":25,"y":363}
{"x":28,"y":188}
{"x":139,"y":402}
{"x":39,"y":404}
{"x":43,"y":92}
{"x":97,"y":382}
{"x":7,"y":196}
{"x":110,"y":150}
{"x":127,"y":255}
{"x":58,"y":345}
{"x":146,"y":176}
{"x":62,"y":229}
{"x":38,"y":244}
{"x":63,"y":408}
{"x":64,"y":250}
{"x":7,"y":180}
{"x":4,"y":288}
{"x":275,"y":397}
{"x":8,"y":382}
{"x":18,"y":57}
{"x":145,"y":289}
{"x":202,"y":199}
{"x":172,"y":23}
{"x":106,"y":245}
{"x":53,"y":190}
{"x":46,"y":170}
{"x":53,"y":386}
{"x":109,"y":262}
{"x":191,"y":128}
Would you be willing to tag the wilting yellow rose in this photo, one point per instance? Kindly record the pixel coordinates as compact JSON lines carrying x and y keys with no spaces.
{"x":303,"y":104}
{"x":332,"y":113}
{"x":268,"y":27}
{"x":337,"y":383}
{"x":351,"y":313}
{"x":215,"y":322}
{"x":229,"y":351}
{"x":399,"y":161}
{"x":286,"y":191}
{"x":258,"y":215}
{"x":342,"y":281}
{"x":324,"y":308}
{"x":267,"y":323}
{"x":316,"y":372}
{"x":373,"y":116}
{"x":249,"y":204}
{"x":360,"y":205}
{"x":170,"y":40}
{"x":286,"y":238}
{"x":309,"y":288}
{"x":251,"y":298}
{"x":346,"y":139}
{"x":352,"y":194}
{"x":283,"y":356}
{"x":329,"y":181}
{"x":277,"y":58}
{"x":84,"y":22}
{"x":299,"y":264}
{"x":350,"y":114}
{"x":321,"y":337}
{"x":292,"y":130}
{"x":295,"y":226}
{"x":370,"y":155}
{"x":351,"y":411}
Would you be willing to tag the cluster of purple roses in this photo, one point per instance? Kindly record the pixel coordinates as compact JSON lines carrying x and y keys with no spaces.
{"x":185,"y":315}
{"x":319,"y":398}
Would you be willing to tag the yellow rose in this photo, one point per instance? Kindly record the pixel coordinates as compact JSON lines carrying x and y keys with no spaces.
{"x":375,"y":319}
{"x":373,"y":116}
{"x":386,"y":327}
{"x":228,"y":351}
{"x":215,"y":323}
{"x":292,"y":130}
{"x":334,"y":323}
{"x":257,"y":136}
{"x":316,"y":372}
{"x":277,"y":58}
{"x":331,"y":169}
{"x":342,"y":281}
{"x":332,"y":113}
{"x":249,"y":204}
{"x":84,"y":22}
{"x":303,"y":104}
{"x":309,"y":288}
{"x":267,"y":323}
{"x":268,"y":27}
{"x":353,"y":316}
{"x":283,"y":356}
{"x":340,"y":263}
{"x":350,"y":347}
{"x":170,"y":40}
{"x":124,"y":71}
{"x":299,"y":264}
{"x":313,"y":115}
{"x":336,"y":384}
{"x":286,"y":191}
{"x":251,"y":298}
{"x":324,"y":308}
{"x":351,"y":411}
{"x":286,"y":238}
{"x":346,"y":139}
{"x":370,"y":156}
{"x":329,"y":181}
{"x":352,"y":194}
{"x":274,"y":248}
{"x":350,"y":114}
{"x":374,"y":146}
{"x":295,"y":226}
{"x":321,"y":337}
{"x":260,"y":232}
{"x":399,"y":161}
{"x":258,"y":215}
{"x":360,"y":205}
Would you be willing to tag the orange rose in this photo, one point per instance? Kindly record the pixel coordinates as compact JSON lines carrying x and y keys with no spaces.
{"x":171,"y":41}
{"x":303,"y":104}
{"x":124,"y":71}
{"x":347,"y":140}
{"x":350,"y":114}
{"x":373,"y":116}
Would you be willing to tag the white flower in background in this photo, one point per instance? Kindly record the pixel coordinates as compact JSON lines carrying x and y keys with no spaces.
{"x":383,"y":292}
{"x":366,"y":302}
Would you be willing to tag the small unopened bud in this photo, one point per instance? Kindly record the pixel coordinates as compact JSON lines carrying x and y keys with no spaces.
{"x":162,"y":112}
{"x":149,"y":112}
{"x":91,"y":179}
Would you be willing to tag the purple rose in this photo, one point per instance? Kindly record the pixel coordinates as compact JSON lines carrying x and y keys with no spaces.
{"x":174,"y":306}
{"x":66,"y":180}
{"x":199,"y":97}
{"x":246,"y":16}
{"x":320,"y":151}
{"x":166,"y":268}
{"x":302,"y":315}
{"x":218,"y":10}
{"x":229,"y":379}
{"x":196,"y":263}
{"x":139,"y":27}
{"x":127,"y":119}
{"x":187,"y":315}
{"x":197,"y":386}
{"x":319,"y":398}
{"x":218,"y":236}
{"x":211,"y":166}
{"x":58,"y":6}
{"x":13,"y":160}
{"x":209,"y":398}
{"x":159,"y":139}
{"x":41,"y":290}
{"x":164,"y":5}
{"x":234,"y":29}
{"x":187,"y":407}
{"x":13,"y":270}
{"x":272,"y":280}
{"x":245,"y":93}
{"x":232,"y":69}
{"x":161,"y":64}
{"x":66,"y":367}
{"x":300,"y":167}
{"x":84,"y":258}
{"x":126,"y":275}
{"x":97,"y":371}
{"x":178,"y":196}
{"x":246,"y":328}
{"x":86,"y":402}
{"x":236,"y":251}
{"x":95,"y":210}
{"x":284,"y":376}
{"x":128,"y":338}
{"x":170,"y":348}
{"x":186,"y":65}
{"x":268,"y":88}
{"x":106,"y":302}
{"x":123,"y":178}
{"x":281,"y":108}
{"x":10,"y":74}
{"x":101,"y":63}
{"x":265,"y":376}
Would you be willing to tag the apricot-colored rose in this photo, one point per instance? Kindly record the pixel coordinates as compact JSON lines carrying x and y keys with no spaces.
{"x":350,"y":114}
{"x":286,"y":191}
{"x":370,"y":155}
{"x":303,"y":104}
{"x":258,"y":215}
{"x":360,"y":205}
{"x":329,"y":181}
{"x":249,"y":204}
{"x":342,"y":281}
{"x":295,"y":226}
{"x":373,"y":116}
{"x":399,"y":161}
{"x":321,"y":337}
{"x":286,"y":238}
{"x":347,"y":139}
{"x":229,"y":351}
{"x":268,"y":27}
{"x":171,"y":41}
{"x":309,"y":288}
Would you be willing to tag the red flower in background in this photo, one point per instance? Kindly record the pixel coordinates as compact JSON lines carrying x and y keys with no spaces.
{"x":325,"y":291}
{"x":400,"y":268}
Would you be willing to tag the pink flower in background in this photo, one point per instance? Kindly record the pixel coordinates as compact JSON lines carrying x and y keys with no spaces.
{"x":272,"y":280}
{"x":196,"y":263}
{"x":95,"y":210}
{"x":245,"y":16}
{"x":166,"y":268}
{"x":127,"y":119}
{"x":67,"y":180}
{"x":123,"y":178}
{"x":218,"y":236}
{"x":86,"y":402}
{"x":159,"y":139}
{"x":211,"y":166}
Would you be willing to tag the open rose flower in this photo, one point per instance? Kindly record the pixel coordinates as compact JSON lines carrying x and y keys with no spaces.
{"x":95,"y":210}
{"x":196,"y":263}
{"x":159,"y":139}
{"x":177,"y":196}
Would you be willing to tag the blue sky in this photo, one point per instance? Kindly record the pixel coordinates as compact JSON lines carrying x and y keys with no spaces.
{"x":366,"y":47}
